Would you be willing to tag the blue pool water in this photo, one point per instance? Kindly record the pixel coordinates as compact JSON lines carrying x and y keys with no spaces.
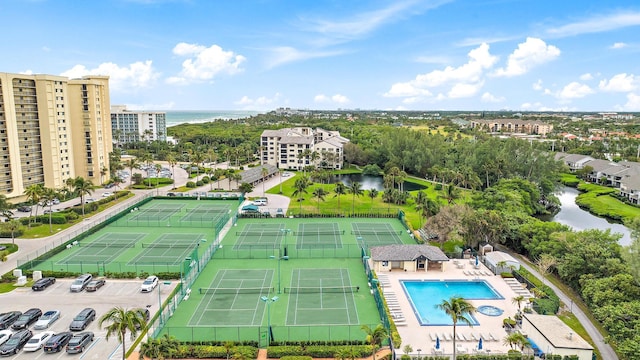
{"x":424,"y":297}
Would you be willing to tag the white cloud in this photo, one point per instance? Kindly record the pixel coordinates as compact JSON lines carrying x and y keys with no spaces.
{"x":537,"y":106}
{"x":135,"y":76}
{"x":598,"y":24}
{"x":463,"y":81}
{"x":490,"y":98}
{"x":26,"y":72}
{"x":484,"y":40}
{"x":586,"y":77}
{"x":618,"y":45}
{"x":529,"y":54}
{"x":574,"y":90}
{"x":337,"y":98}
{"x":260,"y":103}
{"x":286,"y":54}
{"x":619,"y":83}
{"x":633,"y":102}
{"x":537,"y":85}
{"x":205,"y":63}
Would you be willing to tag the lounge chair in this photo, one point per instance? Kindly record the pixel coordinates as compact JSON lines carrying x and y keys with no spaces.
{"x":460,"y":336}
{"x":474,"y":336}
{"x":493,"y":337}
{"x":439,"y":351}
{"x":461,"y":349}
{"x":433,"y":337}
{"x":447,"y":336}
{"x":468,"y":273}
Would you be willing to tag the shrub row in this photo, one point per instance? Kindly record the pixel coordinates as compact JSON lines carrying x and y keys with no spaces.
{"x":317,"y":351}
{"x":212,"y":352}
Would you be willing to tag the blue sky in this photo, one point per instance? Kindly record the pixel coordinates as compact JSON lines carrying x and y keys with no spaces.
{"x":540,"y":55}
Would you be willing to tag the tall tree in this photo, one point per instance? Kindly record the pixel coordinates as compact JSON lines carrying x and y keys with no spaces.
{"x":172,"y":162}
{"x":5,"y":208}
{"x":319,"y":193}
{"x":459,"y":310}
{"x":33,"y":194}
{"x":355,"y":189}
{"x":300,"y":188}
{"x":120,"y":321}
{"x":12,"y":226}
{"x":264,"y":172}
{"x":48,"y":195}
{"x":372,"y":193}
{"x":82,"y":187}
{"x":375,"y":337}
{"x":340,"y":189}
{"x":132,"y":164}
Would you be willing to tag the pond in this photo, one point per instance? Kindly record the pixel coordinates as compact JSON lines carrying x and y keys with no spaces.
{"x":369,"y":182}
{"x":572,"y":215}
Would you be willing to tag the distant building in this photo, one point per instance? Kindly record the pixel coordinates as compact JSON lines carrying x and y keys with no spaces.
{"x":295,"y":148}
{"x":512,"y":126}
{"x":132,"y":126}
{"x":552,"y":336}
{"x":52,"y":129}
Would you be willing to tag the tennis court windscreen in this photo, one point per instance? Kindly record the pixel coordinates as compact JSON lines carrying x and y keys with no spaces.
{"x":246,"y":290}
{"x":319,"y":290}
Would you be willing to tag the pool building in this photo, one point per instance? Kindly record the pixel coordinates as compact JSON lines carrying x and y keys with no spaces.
{"x":410,"y":258}
{"x":552,"y":336}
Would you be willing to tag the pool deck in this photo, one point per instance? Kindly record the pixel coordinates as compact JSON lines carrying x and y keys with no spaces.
{"x":420,"y":337}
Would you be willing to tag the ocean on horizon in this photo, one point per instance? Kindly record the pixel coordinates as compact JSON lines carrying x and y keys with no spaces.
{"x":195,"y":116}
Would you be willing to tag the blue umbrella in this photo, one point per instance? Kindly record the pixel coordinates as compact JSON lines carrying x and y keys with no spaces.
{"x":480,"y":344}
{"x":437,"y":342}
{"x":477,"y":263}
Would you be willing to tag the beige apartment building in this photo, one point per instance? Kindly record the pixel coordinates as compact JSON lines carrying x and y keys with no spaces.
{"x":52,"y":129}
{"x":513,"y":126}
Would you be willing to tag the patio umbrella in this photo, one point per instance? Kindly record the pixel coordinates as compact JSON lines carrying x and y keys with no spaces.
{"x":480,"y":344}
{"x":477,"y":262}
{"x":437,"y":343}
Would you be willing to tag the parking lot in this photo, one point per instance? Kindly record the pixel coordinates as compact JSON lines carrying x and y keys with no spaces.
{"x":124,"y":293}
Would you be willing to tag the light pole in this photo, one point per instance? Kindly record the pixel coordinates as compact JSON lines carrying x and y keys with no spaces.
{"x":268,"y":301}
{"x":160,"y":299}
{"x":279,"y":259}
{"x":285,"y":232}
{"x":418,"y":350}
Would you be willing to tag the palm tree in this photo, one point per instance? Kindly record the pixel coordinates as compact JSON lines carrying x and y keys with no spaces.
{"x":120,"y":321}
{"x":158,"y":168}
{"x":82,"y":187}
{"x":12,"y":226}
{"x":339,"y":189}
{"x":375,"y":337}
{"x":451,"y":194}
{"x":427,"y":207}
{"x":264,"y":172}
{"x":172,"y":162}
{"x":300,"y":188}
{"x":48,"y":194}
{"x":218,"y":174}
{"x":33,"y":193}
{"x":132,"y":164}
{"x":518,"y":301}
{"x":229,"y":347}
{"x":355,"y":189}
{"x":373,"y":193}
{"x":150,"y":349}
{"x":458,"y":309}
{"x":319,"y":193}
{"x":5,"y":207}
{"x":516,"y":339}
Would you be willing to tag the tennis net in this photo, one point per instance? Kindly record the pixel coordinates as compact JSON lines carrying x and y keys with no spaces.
{"x":169,"y":246}
{"x":208,"y":211}
{"x":319,"y":290}
{"x":107,"y":244}
{"x":320,"y":232}
{"x":246,"y":290}
{"x":376,"y":232}
{"x":260,"y":233}
{"x":156,"y":211}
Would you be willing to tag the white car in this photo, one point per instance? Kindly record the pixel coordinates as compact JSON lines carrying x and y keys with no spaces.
{"x":48,"y":318}
{"x":149,"y":284}
{"x":5,"y":335}
{"x":37,"y":341}
{"x":107,"y":194}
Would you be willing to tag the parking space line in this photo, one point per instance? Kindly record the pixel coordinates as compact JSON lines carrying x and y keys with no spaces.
{"x":95,"y":341}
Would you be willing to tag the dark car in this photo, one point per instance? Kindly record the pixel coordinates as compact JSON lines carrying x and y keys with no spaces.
{"x":95,"y":285}
{"x":145,"y":314}
{"x":82,"y":320}
{"x":43,"y":283}
{"x":24,"y":208}
{"x":79,"y":341}
{"x":26,"y":319}
{"x":57,"y":342}
{"x":16,"y":342}
{"x":8,"y":318}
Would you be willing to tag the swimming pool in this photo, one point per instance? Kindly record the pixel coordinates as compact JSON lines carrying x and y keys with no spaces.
{"x":424,"y":297}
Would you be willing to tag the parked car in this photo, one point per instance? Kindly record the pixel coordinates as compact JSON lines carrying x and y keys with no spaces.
{"x":83,"y":319}
{"x":57,"y":342}
{"x":47,"y":319}
{"x":26,"y":319}
{"x":149,"y":284}
{"x":24,"y":208}
{"x":9,"y":318}
{"x":5,"y":335}
{"x":89,"y":200}
{"x":79,"y":342}
{"x":37,"y":341}
{"x":107,"y":194}
{"x":43,"y":283}
{"x":16,"y":342}
{"x":95,"y":284}
{"x":81,"y":282}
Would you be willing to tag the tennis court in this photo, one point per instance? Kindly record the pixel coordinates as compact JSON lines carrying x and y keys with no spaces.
{"x":233,"y":298}
{"x":321,"y":297}
{"x":376,"y":234}
{"x":260,"y":236}
{"x":312,"y":235}
{"x":153,"y":237}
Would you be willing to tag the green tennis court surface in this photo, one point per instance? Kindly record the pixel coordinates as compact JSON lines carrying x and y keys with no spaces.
{"x":311,"y":267}
{"x":154,"y":237}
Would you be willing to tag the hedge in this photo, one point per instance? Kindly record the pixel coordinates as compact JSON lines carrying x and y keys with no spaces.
{"x":317,"y":351}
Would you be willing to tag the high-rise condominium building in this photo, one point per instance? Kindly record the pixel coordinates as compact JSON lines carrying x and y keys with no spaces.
{"x":52,"y":129}
{"x":132,"y":126}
